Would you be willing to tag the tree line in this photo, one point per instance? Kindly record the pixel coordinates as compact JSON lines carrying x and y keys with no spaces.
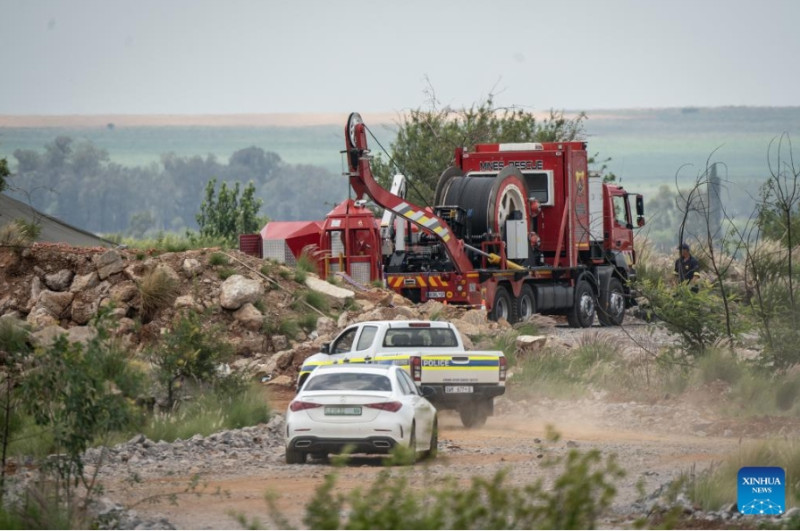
{"x":78,"y":183}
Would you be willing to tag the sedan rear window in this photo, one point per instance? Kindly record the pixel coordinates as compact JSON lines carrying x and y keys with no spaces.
{"x":347,"y":381}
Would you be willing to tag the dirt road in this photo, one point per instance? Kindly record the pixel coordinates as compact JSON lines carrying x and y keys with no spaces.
{"x":653,"y":443}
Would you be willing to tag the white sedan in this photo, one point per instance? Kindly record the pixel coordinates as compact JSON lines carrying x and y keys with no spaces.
{"x":366,"y":409}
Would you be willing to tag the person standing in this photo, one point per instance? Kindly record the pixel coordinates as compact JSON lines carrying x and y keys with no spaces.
{"x":687,"y":266}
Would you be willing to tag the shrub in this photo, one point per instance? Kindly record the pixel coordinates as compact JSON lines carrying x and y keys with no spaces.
{"x":306,"y":263}
{"x":225,"y":273}
{"x":719,"y":365}
{"x":786,"y":394}
{"x":75,"y":392}
{"x":698,"y":318}
{"x":576,"y":499}
{"x":308,"y":321}
{"x":157,"y":290}
{"x":289,"y":328}
{"x":218,"y":259}
{"x":188,"y":352}
{"x":19,"y":233}
{"x":317,"y":300}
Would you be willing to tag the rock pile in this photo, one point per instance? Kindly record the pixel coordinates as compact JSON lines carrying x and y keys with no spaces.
{"x":58,"y":290}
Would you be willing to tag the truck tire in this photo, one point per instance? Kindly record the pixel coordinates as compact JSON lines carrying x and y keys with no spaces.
{"x":503,"y":306}
{"x":474,"y":414}
{"x":611,"y":310}
{"x":526,"y":304}
{"x":581,"y":315}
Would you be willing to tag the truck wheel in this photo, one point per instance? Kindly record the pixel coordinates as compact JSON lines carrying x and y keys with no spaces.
{"x":526,"y":304}
{"x":581,"y":315}
{"x":612,"y":305}
{"x":474,"y":415}
{"x":503,"y":308}
{"x":294,"y":457}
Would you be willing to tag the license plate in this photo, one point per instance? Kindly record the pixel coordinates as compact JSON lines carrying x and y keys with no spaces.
{"x":343,"y":411}
{"x":457,"y":388}
{"x":436,"y":294}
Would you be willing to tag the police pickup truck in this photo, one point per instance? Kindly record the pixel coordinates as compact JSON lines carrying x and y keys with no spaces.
{"x":432,"y":352}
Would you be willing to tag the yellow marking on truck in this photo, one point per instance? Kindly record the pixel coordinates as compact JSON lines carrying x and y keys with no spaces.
{"x":421,"y":281}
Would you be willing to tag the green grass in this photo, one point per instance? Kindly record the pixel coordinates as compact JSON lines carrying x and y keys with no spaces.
{"x":596,"y":362}
{"x":209,"y":414}
{"x":218,"y":259}
{"x":289,"y":328}
{"x":717,"y":487}
{"x":317,"y":300}
{"x":308,"y":321}
{"x":171,"y":242}
{"x":225,"y":273}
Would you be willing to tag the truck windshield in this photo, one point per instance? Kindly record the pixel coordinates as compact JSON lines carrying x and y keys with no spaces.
{"x":420,"y":337}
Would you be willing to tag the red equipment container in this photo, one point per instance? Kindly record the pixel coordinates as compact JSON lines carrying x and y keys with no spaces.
{"x":251,"y":244}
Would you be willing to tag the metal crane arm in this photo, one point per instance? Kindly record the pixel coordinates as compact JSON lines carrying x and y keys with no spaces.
{"x":363,"y":183}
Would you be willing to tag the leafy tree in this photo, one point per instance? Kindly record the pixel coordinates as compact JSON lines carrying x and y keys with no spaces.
{"x":254,"y":163}
{"x":224,"y":215}
{"x":80,"y":394}
{"x":773,"y":270}
{"x":427,"y":138}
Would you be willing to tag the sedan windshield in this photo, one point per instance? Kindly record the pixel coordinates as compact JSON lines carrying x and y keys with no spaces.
{"x":349,"y":381}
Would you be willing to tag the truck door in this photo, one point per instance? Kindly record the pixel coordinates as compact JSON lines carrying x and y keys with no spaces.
{"x":354,"y":342}
{"x":621,"y":235}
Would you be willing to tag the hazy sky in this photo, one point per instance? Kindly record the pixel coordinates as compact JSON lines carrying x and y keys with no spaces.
{"x":241,"y":56}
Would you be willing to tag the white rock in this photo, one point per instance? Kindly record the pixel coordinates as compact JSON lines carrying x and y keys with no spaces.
{"x":340,"y":295}
{"x":109,"y":263}
{"x":326,"y":326}
{"x":238,"y":290}
{"x":47,"y":335}
{"x":191,"y":267}
{"x":60,"y":280}
{"x":84,"y":282}
{"x":531,"y":342}
{"x":249,"y":316}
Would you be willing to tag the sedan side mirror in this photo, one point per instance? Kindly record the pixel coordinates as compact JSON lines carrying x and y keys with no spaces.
{"x":325,"y":348}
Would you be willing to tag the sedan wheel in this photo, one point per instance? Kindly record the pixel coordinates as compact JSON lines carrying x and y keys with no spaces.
{"x":433,"y":449}
{"x":295,"y":457}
